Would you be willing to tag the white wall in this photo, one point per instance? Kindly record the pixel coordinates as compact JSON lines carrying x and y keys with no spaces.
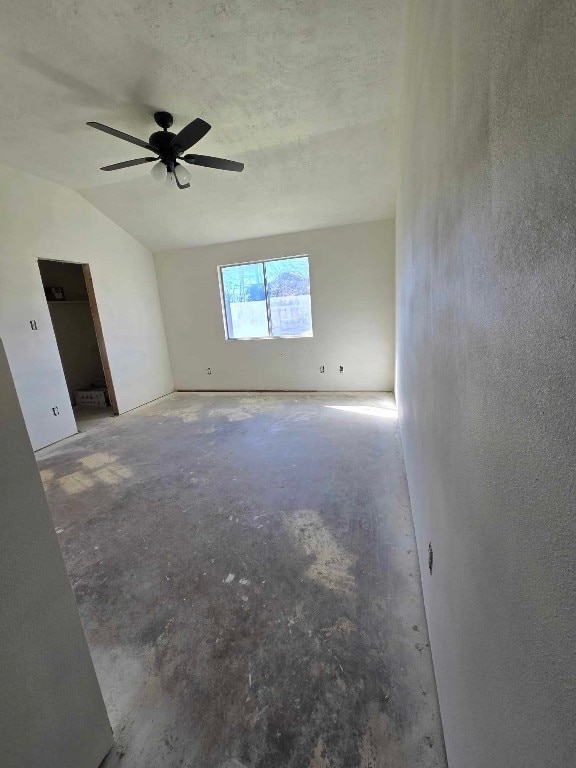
{"x":77,"y":343}
{"x":51,"y":710}
{"x":352,"y":286}
{"x":486,"y":269}
{"x":41,"y":220}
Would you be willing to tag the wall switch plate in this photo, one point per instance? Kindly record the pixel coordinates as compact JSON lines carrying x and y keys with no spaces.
{"x":321,"y":369}
{"x":341,"y":369}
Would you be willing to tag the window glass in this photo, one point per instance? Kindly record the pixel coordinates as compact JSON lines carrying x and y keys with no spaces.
{"x":245,"y":301}
{"x":288,"y":284}
{"x":267,"y":299}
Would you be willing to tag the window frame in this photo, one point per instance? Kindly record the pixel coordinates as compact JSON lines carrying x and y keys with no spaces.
{"x":270,"y":337}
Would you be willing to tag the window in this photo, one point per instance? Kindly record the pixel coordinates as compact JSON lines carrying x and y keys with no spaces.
{"x":267,"y":299}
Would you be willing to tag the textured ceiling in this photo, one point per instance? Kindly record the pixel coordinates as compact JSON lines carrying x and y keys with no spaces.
{"x":303,"y":92}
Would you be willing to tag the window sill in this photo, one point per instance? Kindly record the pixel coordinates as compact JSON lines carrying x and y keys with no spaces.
{"x":272,"y":338}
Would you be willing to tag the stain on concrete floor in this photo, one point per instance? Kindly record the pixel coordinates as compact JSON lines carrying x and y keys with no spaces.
{"x":245,"y":570}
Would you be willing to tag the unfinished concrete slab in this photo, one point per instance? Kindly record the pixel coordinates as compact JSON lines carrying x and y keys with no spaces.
{"x":246,"y":573}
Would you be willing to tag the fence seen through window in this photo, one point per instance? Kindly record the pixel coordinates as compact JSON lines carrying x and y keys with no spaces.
{"x":267,"y":299}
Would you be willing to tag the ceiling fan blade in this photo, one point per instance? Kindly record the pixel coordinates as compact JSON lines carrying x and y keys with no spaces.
{"x":189,"y":135}
{"x":128,"y":163}
{"x":214,"y":162}
{"x":121,"y":135}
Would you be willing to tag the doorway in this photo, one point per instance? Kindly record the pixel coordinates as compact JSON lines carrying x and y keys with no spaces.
{"x":76,"y":323}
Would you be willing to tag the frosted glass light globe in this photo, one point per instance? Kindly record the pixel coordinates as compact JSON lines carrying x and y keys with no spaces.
{"x":158,"y":171}
{"x":182,"y":173}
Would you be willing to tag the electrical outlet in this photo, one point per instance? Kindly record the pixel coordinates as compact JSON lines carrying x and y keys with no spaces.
{"x":341,"y":369}
{"x":55,"y":411}
{"x":321,"y":369}
{"x":209,"y":371}
{"x":33,"y":325}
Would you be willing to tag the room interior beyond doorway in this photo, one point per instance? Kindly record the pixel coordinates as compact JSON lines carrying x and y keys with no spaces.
{"x":75,"y":320}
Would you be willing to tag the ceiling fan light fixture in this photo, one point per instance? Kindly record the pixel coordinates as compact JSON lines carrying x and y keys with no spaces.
{"x":170,"y":182}
{"x":182,"y":173}
{"x":158,"y":171}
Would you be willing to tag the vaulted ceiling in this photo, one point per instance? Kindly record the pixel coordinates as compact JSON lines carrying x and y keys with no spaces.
{"x":304,"y":92}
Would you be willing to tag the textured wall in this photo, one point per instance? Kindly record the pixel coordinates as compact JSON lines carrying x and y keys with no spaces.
{"x":51,"y":709}
{"x":486,"y":268}
{"x":40,"y":220}
{"x":352,"y":290}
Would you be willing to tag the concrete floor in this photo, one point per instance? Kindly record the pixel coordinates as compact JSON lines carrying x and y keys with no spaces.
{"x":246,"y":573}
{"x":87,"y":416}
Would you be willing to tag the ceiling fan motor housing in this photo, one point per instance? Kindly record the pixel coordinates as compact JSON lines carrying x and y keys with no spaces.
{"x":161,"y":141}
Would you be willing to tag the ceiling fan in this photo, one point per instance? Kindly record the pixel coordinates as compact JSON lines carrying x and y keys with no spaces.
{"x":169,"y":148}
